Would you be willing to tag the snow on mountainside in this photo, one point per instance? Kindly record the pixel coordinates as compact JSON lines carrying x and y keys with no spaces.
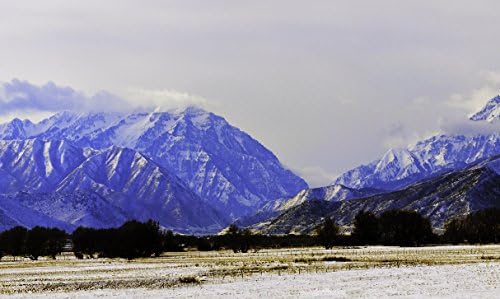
{"x":332,"y":193}
{"x":399,"y":168}
{"x":490,"y":112}
{"x":187,"y":168}
{"x":36,"y":165}
{"x":143,"y":191}
{"x":55,"y":179}
{"x":439,"y":198}
{"x":223,"y":165}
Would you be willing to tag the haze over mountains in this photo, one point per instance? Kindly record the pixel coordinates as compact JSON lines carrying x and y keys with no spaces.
{"x":195,"y":173}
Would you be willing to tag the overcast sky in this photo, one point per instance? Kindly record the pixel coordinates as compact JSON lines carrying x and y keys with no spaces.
{"x":326,"y":85}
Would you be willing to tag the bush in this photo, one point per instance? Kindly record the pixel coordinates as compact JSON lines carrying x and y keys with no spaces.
{"x":238,"y":240}
{"x":171,"y":242}
{"x":84,"y":242}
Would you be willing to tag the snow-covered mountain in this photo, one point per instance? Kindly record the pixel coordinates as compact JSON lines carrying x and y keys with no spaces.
{"x":439,"y":198}
{"x":400,"y":167}
{"x":396,"y":170}
{"x":143,"y":190}
{"x":490,"y":112}
{"x":35,"y":165}
{"x":57,"y":179}
{"x":188,"y":168}
{"x":332,"y":193}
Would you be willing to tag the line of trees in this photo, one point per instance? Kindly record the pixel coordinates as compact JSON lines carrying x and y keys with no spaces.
{"x":480,"y":227}
{"x":136,"y":239}
{"x":243,"y":240}
{"x":133,"y":239}
{"x":394,"y":227}
{"x":39,"y":241}
{"x":409,"y":228}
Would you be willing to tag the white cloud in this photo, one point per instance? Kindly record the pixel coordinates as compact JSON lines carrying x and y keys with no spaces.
{"x":473,"y":101}
{"x":316,"y":176}
{"x":468,"y":127}
{"x":22,"y":99}
{"x":493,"y":77}
{"x":163,"y":98}
{"x":33,"y":115}
{"x":400,"y":136}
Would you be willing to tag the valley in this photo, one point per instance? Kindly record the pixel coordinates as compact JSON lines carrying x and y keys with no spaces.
{"x":297,"y":271}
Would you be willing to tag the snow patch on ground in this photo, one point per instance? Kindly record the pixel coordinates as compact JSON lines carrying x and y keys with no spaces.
{"x":449,"y":281}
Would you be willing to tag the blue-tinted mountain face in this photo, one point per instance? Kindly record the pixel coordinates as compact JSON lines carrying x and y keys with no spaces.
{"x":401,"y":167}
{"x":188,"y":168}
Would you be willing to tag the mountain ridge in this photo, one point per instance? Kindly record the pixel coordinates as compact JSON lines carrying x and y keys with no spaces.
{"x":204,"y":171}
{"x":439,"y":198}
{"x":490,"y":112}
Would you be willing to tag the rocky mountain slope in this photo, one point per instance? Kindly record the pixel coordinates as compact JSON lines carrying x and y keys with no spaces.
{"x":401,"y":167}
{"x":223,"y":165}
{"x":398,"y":169}
{"x":332,"y":193}
{"x":188,"y":169}
{"x":490,"y":112}
{"x":57,"y":180}
{"x":440,"y":198}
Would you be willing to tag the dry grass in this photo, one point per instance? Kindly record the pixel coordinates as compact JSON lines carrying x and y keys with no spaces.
{"x":192,"y":268}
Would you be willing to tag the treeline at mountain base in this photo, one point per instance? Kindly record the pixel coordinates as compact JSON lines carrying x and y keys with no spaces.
{"x":136,"y":239}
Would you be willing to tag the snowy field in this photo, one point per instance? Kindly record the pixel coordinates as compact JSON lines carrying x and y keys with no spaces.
{"x":442,"y":272}
{"x":443,"y":281}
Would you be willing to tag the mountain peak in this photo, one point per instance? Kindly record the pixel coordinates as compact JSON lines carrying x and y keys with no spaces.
{"x":490,"y":112}
{"x":223,"y":166}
